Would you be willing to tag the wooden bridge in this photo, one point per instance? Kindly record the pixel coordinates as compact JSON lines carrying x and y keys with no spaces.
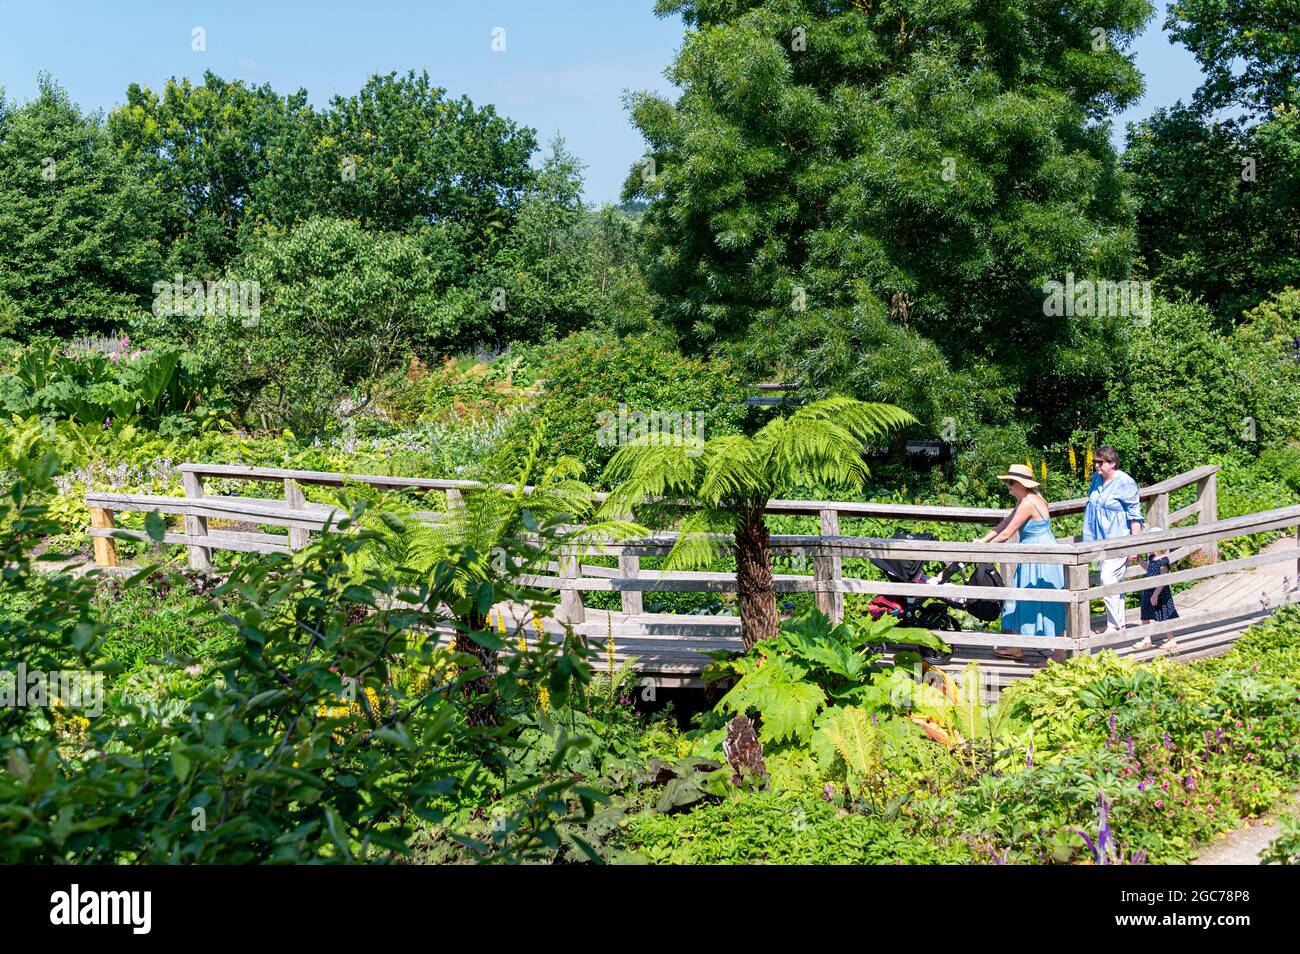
{"x":1229,"y":595}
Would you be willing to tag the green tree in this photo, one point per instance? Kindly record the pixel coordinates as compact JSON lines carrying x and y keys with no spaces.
{"x":339,"y":306}
{"x":204,"y":150}
{"x":1219,"y":199}
{"x":561,"y":267}
{"x":730,"y":479}
{"x":1248,"y":49}
{"x":79,"y":250}
{"x":946,"y":159}
{"x":402,"y":156}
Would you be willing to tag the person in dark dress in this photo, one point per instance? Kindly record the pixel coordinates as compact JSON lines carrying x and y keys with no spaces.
{"x":1158,"y":603}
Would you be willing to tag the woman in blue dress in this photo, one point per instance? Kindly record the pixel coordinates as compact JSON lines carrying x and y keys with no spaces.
{"x":1029,"y":522}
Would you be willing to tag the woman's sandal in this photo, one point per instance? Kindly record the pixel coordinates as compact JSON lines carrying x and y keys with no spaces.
{"x":1014,"y":653}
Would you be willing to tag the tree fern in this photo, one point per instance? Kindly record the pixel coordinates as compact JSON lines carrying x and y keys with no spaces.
{"x":727,"y":481}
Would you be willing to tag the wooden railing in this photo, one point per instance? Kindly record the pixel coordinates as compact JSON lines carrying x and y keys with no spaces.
{"x":827,"y":550}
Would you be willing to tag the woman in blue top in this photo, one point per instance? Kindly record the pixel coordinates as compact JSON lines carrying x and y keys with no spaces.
{"x":1114,"y":510}
{"x":1029,"y":522}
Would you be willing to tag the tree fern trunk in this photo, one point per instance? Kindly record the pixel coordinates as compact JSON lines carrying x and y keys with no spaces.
{"x":758,"y":619}
{"x":480,"y":693}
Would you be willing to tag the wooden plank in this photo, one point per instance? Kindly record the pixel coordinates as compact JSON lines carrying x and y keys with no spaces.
{"x":1198,"y":535}
{"x":1190,"y":622}
{"x":571,"y":608}
{"x":699,"y":582}
{"x":241,"y":509}
{"x":216,"y":539}
{"x":629,"y":566}
{"x":951,"y":590}
{"x":105,"y":549}
{"x":847,"y":508}
{"x":1078,"y":622}
{"x":1195,"y":573}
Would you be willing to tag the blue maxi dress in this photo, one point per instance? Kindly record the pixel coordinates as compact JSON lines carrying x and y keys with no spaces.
{"x":1027,"y":618}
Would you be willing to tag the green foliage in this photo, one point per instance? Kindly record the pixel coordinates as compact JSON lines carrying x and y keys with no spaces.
{"x":774,"y":829}
{"x":731,"y":478}
{"x":823,"y":163}
{"x":1247,"y":49}
{"x":1285,"y":848}
{"x":1216,"y":202}
{"x":162,"y":389}
{"x":590,"y":377}
{"x":339,"y":307}
{"x":561,"y":268}
{"x":809,"y":666}
{"x":80,"y":247}
{"x":297,"y":749}
{"x":1191,"y":395}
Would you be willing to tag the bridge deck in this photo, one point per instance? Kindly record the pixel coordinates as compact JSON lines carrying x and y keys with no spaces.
{"x":668,"y":646}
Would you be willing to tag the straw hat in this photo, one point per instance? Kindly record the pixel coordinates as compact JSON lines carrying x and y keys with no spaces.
{"x":1021,"y":475}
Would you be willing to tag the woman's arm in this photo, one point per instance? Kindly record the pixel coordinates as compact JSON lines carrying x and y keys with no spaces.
{"x":1131,"y":500}
{"x":1013,"y":522}
{"x":988,"y":537}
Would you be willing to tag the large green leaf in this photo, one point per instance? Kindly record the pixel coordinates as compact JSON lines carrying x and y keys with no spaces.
{"x":785,"y":701}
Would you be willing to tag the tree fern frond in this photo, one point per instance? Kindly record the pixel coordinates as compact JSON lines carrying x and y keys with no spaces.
{"x":703,"y":537}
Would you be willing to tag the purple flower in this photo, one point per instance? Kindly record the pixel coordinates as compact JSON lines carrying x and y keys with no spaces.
{"x":1029,"y":756}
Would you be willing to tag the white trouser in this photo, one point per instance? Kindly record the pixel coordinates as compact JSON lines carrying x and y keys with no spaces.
{"x":1112,"y":571}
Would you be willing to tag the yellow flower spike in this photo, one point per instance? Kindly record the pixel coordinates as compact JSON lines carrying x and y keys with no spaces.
{"x":523,"y":642}
{"x":537,"y":625}
{"x":1087,"y":462}
{"x":501,"y":623}
{"x":543,"y":698}
{"x":1029,"y":463}
{"x":1044,"y":470}
{"x":1074,"y":461}
{"x":489,"y":622}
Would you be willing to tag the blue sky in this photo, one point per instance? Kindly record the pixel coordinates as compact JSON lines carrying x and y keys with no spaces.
{"x":564,"y":68}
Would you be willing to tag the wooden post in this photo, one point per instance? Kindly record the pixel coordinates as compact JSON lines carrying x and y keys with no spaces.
{"x":105,"y":547}
{"x":629,"y":567}
{"x":1207,"y":495}
{"x":196,"y":527}
{"x":1158,"y":511}
{"x":1078,"y":623}
{"x":828,"y":570}
{"x":571,"y":608}
{"x":294,"y":500}
{"x":454,"y":500}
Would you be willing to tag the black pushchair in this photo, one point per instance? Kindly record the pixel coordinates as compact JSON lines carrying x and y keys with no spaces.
{"x":930,"y":612}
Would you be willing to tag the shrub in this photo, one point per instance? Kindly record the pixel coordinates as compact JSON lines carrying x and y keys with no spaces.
{"x":1190,"y":395}
{"x":588,"y":376}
